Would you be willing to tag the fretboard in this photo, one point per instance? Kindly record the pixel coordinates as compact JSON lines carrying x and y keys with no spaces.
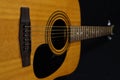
{"x":87,"y":32}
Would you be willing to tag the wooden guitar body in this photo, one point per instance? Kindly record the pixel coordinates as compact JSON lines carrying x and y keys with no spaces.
{"x":42,"y":13}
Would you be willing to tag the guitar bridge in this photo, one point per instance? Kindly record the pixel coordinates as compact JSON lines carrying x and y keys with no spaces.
{"x":25,"y":36}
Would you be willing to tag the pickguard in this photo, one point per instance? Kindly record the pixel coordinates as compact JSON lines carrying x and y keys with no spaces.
{"x":46,"y":62}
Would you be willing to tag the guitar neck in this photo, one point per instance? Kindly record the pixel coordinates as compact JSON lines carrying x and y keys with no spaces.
{"x":87,"y":32}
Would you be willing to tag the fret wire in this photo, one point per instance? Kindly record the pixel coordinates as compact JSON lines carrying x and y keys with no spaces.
{"x":87,"y":36}
{"x":86,"y":33}
{"x":83,"y":32}
{"x":97,"y":31}
{"x":100,"y":32}
{"x":90,"y":32}
{"x":94,"y":32}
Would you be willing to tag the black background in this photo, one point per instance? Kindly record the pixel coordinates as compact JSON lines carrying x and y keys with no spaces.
{"x":99,"y":57}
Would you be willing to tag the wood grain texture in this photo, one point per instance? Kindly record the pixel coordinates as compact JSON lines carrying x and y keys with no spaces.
{"x":40,"y":10}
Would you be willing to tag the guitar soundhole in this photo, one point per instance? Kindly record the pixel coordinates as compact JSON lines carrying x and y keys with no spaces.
{"x":59,"y":34}
{"x":46,"y":62}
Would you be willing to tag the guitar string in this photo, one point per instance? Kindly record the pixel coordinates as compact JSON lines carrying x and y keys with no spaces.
{"x":66,"y":32}
{"x":64,"y":36}
{"x":56,"y":36}
{"x":85,"y":37}
{"x":64,"y":29}
{"x":69,"y":26}
{"x":49,"y":28}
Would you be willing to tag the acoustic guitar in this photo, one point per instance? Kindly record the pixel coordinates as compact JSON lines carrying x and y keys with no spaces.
{"x":40,"y":39}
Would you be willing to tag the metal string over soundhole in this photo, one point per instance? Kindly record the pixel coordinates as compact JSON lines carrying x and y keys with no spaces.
{"x":59,"y":42}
